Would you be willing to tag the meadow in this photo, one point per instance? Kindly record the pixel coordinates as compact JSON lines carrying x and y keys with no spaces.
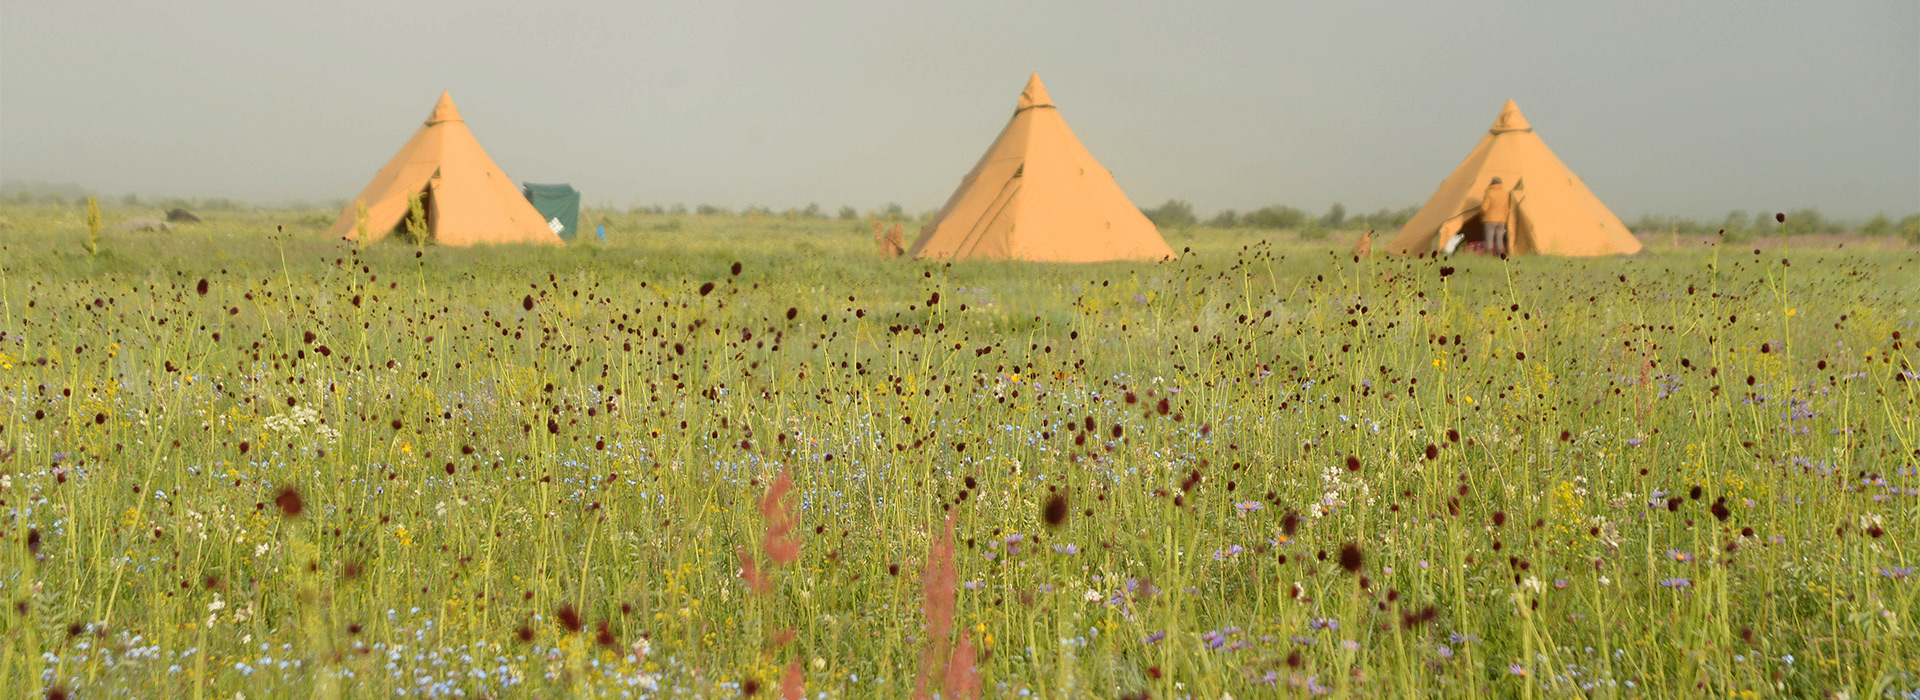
{"x":725,"y":456}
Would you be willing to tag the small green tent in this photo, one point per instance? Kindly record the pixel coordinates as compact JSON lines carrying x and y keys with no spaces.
{"x":558,"y":204}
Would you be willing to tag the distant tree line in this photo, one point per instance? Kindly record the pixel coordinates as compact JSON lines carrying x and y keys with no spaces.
{"x":64,"y":196}
{"x":1173,"y":214}
{"x":892,"y":212}
{"x":1179,"y":214}
{"x":1738,"y":224}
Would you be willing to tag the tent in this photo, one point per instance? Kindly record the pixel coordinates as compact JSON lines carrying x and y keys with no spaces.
{"x":1553,"y":211}
{"x":467,"y":199}
{"x":1039,"y":195}
{"x":558,"y":204}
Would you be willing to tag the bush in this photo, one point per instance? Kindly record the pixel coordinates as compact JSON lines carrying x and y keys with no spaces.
{"x":1808,"y":221}
{"x":1173,"y":214}
{"x":709,"y":210}
{"x":1735,"y":225}
{"x":1225,"y":219}
{"x":1335,"y":217}
{"x":1275,"y":217}
{"x":1385,"y":219}
{"x":1879,"y":225}
{"x":1313,"y":231}
{"x":1910,"y":228}
{"x":849,"y":213}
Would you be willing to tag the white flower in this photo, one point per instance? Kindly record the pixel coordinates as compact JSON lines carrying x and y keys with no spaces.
{"x":1092,"y":596}
{"x":217,"y":605}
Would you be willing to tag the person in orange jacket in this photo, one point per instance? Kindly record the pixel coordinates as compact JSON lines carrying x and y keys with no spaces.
{"x":1494,"y":208}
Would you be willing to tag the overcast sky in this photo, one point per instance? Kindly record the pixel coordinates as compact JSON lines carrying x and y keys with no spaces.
{"x":1689,"y":108}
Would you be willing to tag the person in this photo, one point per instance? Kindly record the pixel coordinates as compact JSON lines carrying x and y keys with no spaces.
{"x":1493,"y":217}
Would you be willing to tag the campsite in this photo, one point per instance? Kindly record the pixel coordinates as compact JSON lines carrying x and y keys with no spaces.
{"x":569,"y":374}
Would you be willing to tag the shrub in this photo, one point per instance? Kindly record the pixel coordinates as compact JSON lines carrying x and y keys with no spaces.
{"x":1275,"y":217}
{"x":1735,"y":224}
{"x":1335,"y":217}
{"x":1313,"y":231}
{"x":1225,"y":219}
{"x":93,"y":226}
{"x":1807,"y":221}
{"x":1879,"y":225}
{"x":1173,"y":214}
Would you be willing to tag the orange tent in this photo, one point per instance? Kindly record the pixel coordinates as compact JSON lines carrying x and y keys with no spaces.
{"x":1553,"y":211}
{"x":467,"y":198}
{"x":1039,"y":195}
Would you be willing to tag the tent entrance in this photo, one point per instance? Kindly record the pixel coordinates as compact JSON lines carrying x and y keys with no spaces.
{"x":407,"y":221}
{"x":1469,"y":237}
{"x":1476,"y":240}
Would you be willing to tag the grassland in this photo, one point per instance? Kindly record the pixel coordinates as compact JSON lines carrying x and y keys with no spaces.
{"x":247,"y":460}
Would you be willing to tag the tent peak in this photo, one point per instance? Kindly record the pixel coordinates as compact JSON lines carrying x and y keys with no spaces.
{"x":444,"y":111}
{"x":1035,"y":95}
{"x":1510,"y":119}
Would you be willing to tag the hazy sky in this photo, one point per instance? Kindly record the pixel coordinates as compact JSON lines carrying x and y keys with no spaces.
{"x":1690,"y":108}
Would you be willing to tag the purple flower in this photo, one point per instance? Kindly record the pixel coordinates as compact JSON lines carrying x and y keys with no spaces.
{"x":1676,"y":582}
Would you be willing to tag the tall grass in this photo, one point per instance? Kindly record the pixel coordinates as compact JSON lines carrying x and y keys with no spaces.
{"x":1271,"y":468}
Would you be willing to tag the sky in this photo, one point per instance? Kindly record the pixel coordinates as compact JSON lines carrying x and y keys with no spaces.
{"x":1685,"y":108}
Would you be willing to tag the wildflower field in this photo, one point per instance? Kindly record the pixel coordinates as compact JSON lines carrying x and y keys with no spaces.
{"x":725,"y":456}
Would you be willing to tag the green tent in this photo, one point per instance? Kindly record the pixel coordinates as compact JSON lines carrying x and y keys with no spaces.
{"x":558,"y":204}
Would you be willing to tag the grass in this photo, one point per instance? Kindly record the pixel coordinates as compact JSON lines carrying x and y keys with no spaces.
{"x":247,"y":460}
